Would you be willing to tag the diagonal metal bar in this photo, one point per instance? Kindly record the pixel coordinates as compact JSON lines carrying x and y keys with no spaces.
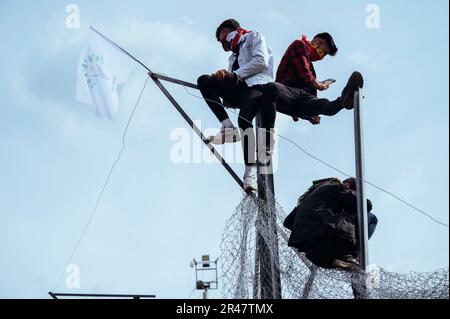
{"x":173,"y":80}
{"x":196,"y":129}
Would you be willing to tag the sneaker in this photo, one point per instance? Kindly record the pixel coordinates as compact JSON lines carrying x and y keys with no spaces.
{"x":264,"y":154}
{"x":267,"y":149}
{"x":344,"y":265}
{"x":226,"y":135}
{"x":355,"y":82}
{"x":270,"y":151}
{"x":250,"y":184}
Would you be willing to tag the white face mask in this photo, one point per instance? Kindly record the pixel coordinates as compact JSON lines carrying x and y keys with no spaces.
{"x":231,"y":36}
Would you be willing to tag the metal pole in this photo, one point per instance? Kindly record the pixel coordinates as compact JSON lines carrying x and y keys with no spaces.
{"x":269,"y":262}
{"x":120,"y":48}
{"x":52,"y":295}
{"x":360,"y":189}
{"x":309,"y":284}
{"x":173,"y":80}
{"x":56,"y":295}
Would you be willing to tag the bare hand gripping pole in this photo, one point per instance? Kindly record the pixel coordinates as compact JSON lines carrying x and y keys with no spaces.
{"x":156,"y":78}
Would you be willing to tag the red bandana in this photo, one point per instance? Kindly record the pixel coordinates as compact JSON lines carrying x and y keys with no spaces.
{"x":234,"y":45}
{"x":315,"y":53}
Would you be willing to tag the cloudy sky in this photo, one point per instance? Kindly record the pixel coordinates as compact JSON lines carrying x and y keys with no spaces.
{"x":158,"y":214}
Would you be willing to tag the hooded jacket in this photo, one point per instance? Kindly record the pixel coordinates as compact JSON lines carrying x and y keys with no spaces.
{"x":330,"y":210}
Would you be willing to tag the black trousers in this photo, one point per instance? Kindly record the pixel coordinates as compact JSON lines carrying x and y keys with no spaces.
{"x":323,"y":250}
{"x":239,"y":96}
{"x":297,"y":102}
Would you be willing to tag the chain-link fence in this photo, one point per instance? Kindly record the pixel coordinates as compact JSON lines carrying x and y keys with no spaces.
{"x":257,"y":263}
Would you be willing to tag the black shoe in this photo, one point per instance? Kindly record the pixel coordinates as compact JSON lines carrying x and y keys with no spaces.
{"x":355,"y":82}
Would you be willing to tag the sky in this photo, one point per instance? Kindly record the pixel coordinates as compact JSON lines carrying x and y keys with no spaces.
{"x":158,"y":214}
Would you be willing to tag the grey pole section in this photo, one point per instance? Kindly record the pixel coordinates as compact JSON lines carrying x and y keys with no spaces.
{"x":269,"y":261}
{"x":361,"y":195}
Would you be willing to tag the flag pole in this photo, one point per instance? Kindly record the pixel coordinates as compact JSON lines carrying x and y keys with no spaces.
{"x":119,"y":47}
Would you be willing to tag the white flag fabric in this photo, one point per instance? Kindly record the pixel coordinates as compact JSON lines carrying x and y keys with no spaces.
{"x":102,"y":69}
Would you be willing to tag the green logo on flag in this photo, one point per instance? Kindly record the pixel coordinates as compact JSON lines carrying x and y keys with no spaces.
{"x":92,"y":69}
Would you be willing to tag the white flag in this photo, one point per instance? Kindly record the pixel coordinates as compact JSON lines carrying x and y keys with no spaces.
{"x":102,"y":69}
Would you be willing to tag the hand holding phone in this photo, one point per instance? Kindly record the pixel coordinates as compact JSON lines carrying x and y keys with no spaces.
{"x":329,"y":81}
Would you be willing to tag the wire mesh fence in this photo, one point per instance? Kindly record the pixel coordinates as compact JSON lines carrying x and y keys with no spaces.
{"x":257,"y":262}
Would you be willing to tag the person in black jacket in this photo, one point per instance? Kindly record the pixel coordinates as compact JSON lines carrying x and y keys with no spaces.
{"x":324,"y":224}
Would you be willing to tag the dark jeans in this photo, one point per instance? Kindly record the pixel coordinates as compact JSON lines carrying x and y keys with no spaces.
{"x":323,"y":250}
{"x":239,"y":96}
{"x":297,"y":102}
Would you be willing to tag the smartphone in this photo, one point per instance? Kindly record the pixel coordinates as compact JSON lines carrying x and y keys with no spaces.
{"x":330,"y":81}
